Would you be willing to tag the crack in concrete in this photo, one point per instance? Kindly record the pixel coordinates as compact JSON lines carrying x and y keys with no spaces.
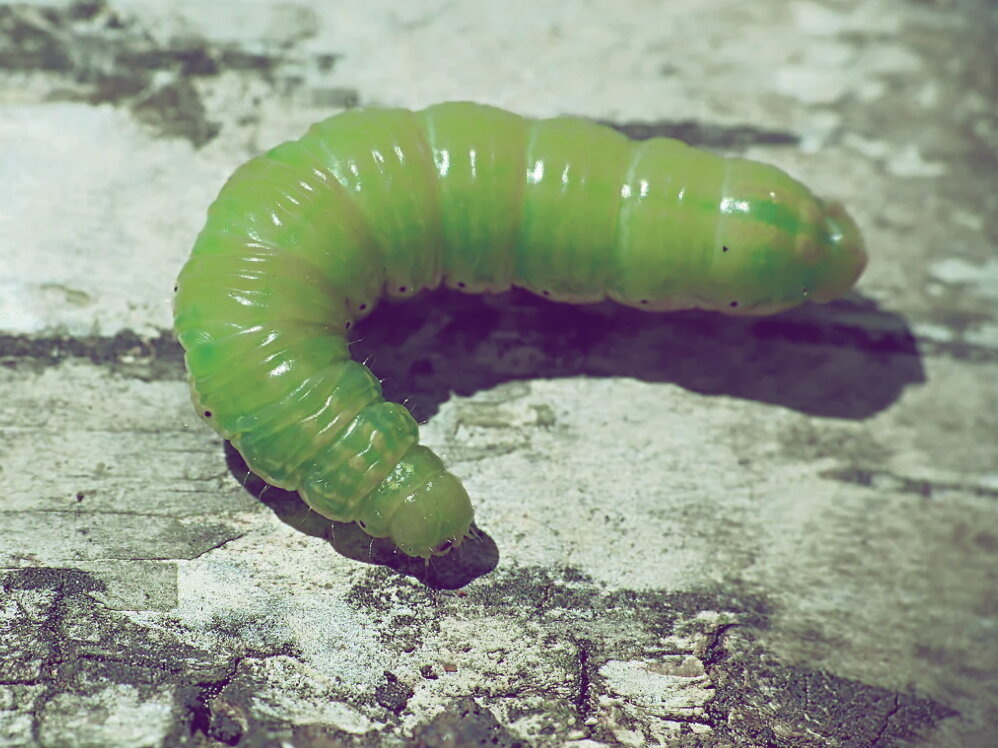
{"x":887,"y":721}
{"x":56,"y":655}
{"x":206,"y":551}
{"x":200,"y":707}
{"x":583,"y":697}
{"x":217,"y":546}
{"x":196,"y":702}
{"x":713,"y":650}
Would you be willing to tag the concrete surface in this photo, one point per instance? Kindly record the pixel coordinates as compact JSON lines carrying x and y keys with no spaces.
{"x":695,"y":531}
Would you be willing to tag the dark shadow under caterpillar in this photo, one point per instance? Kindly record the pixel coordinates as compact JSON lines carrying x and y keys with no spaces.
{"x":845,"y":360}
{"x":304,"y":240}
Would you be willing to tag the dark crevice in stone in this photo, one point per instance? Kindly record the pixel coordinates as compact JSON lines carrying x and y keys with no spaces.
{"x":148,"y":359}
{"x":714,"y":651}
{"x":584,"y":696}
{"x":393,"y":695}
{"x":886,"y":480}
{"x":217,"y":725}
{"x":887,"y":723}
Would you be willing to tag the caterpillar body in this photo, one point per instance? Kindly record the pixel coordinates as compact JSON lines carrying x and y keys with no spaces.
{"x":303,"y":241}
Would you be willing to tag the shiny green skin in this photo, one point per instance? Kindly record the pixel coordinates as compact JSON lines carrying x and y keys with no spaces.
{"x":303,"y":240}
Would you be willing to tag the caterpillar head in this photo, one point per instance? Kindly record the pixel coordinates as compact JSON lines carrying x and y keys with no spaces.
{"x":419,"y":505}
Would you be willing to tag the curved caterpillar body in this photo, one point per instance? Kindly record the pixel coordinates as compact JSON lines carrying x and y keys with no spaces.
{"x":303,"y":240}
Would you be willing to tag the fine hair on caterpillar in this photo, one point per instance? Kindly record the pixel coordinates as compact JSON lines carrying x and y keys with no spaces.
{"x":304,"y":240}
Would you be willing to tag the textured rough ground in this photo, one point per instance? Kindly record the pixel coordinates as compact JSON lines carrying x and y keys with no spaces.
{"x":695,"y":531}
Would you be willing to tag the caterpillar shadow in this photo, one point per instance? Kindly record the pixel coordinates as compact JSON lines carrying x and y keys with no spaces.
{"x":848,"y":360}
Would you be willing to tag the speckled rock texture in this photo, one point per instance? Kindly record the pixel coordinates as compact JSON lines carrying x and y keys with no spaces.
{"x":695,"y":530}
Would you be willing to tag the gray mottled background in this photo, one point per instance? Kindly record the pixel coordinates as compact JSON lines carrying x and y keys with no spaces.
{"x":696,"y":531}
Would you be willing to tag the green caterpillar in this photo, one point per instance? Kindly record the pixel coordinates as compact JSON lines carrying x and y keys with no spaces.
{"x":303,"y":240}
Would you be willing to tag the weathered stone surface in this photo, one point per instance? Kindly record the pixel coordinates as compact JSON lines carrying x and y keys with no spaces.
{"x":694,"y":530}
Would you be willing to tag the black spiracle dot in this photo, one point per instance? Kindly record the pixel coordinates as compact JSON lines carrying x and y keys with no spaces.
{"x":461,"y":284}
{"x":348,"y":325}
{"x":207,"y":414}
{"x":546,"y":292}
{"x":724,"y":249}
{"x":733,"y":303}
{"x":643,"y":301}
{"x":176,"y":288}
{"x":362,"y":307}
